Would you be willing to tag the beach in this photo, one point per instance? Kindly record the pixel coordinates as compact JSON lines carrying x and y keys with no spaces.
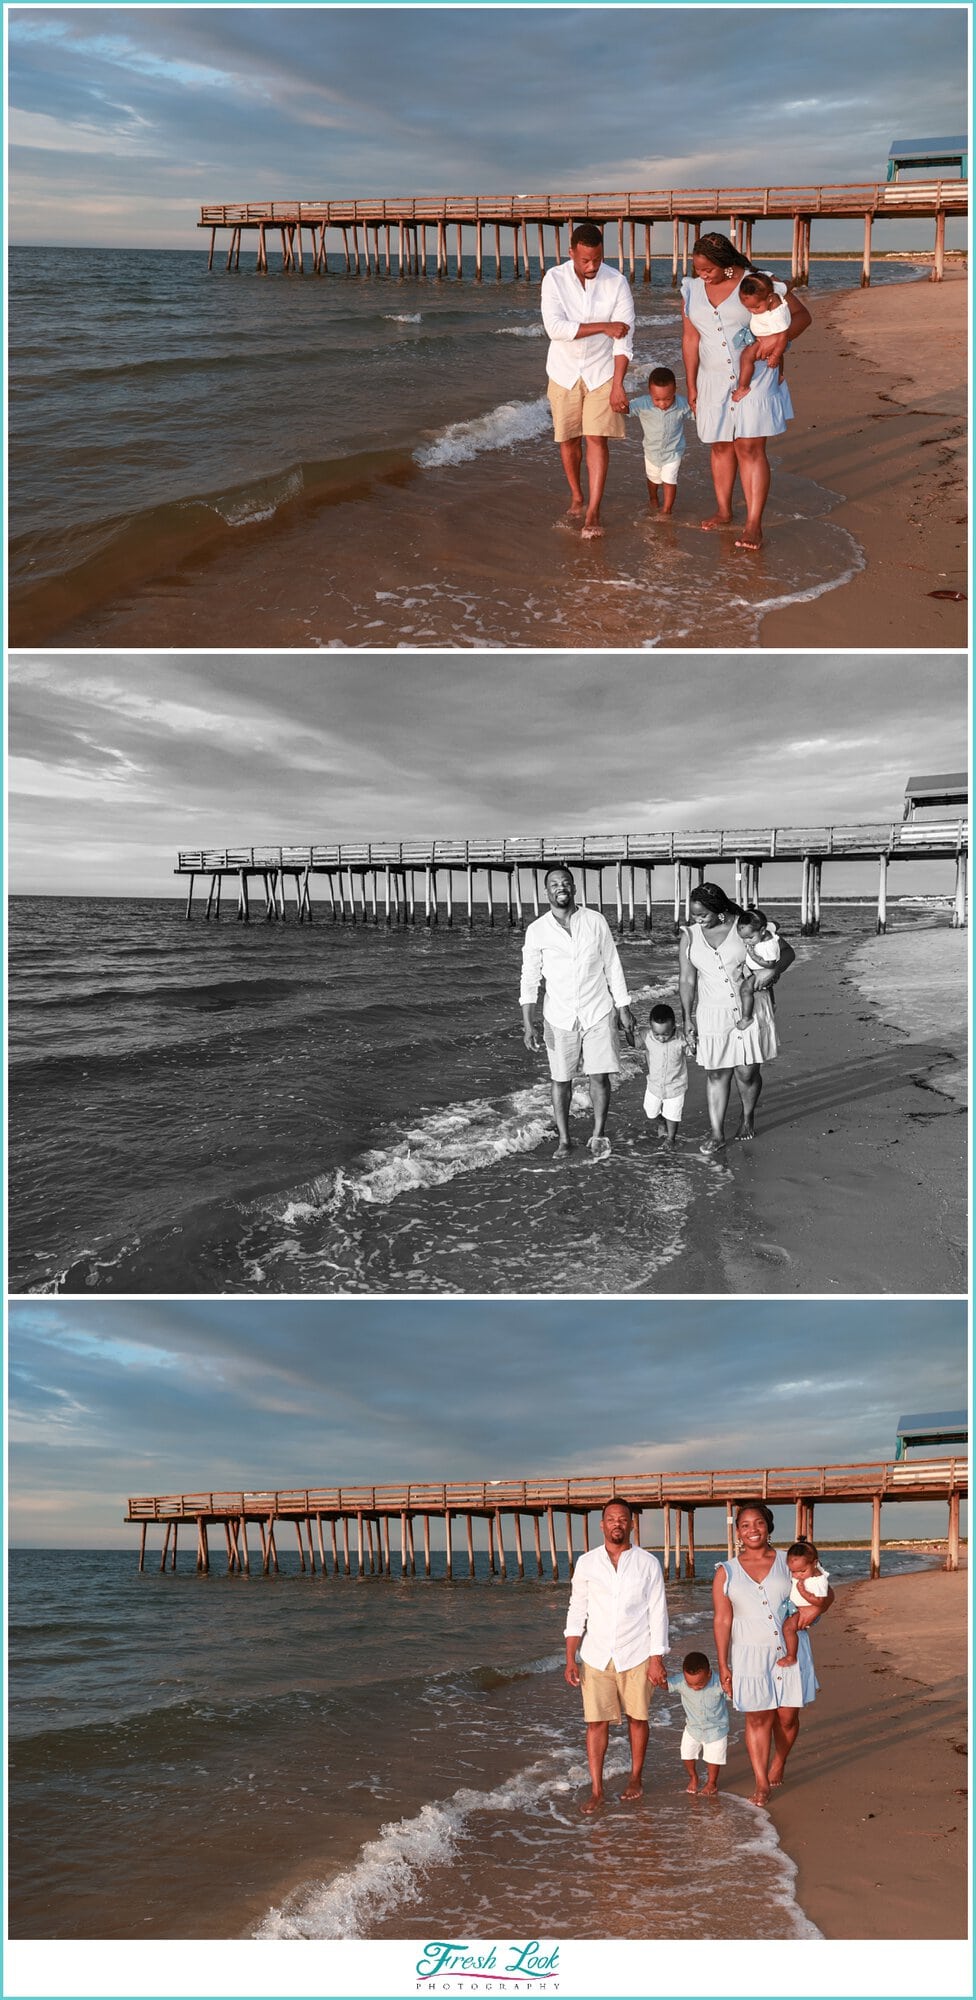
{"x":302,"y":1757}
{"x":874,"y":1809}
{"x":336,"y":1108}
{"x":230,"y":459}
{"x":884,"y":423}
{"x":858,"y":1182}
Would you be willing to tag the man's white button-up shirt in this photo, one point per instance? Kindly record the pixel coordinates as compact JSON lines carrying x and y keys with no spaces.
{"x":568,"y":303}
{"x":583,"y":974}
{"x":621,"y":1611}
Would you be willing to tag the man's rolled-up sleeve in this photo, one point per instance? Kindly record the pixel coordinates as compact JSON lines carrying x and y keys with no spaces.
{"x":613,"y":968}
{"x":624,"y":309}
{"x":531,"y":974}
{"x":555,"y":319}
{"x":576,"y":1615}
{"x":657,"y":1613}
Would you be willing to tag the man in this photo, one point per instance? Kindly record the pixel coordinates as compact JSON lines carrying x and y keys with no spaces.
{"x":588,"y":313}
{"x":619,"y":1609}
{"x":574,"y":951}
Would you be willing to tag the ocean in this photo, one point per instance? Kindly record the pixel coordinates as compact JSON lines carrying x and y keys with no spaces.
{"x":204,"y":1108}
{"x":230,"y":459}
{"x":331,"y":1757}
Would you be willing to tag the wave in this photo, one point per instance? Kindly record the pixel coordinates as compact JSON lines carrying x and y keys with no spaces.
{"x":404,"y":319}
{"x":388,"y":1870}
{"x":60,"y":577}
{"x":506,"y":424}
{"x":523,"y":332}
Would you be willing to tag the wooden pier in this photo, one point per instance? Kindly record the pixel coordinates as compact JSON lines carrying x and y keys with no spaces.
{"x":349,"y":1527}
{"x":393,"y":232}
{"x":391,"y":882}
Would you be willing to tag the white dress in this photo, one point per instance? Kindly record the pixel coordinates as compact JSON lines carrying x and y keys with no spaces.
{"x":721,"y":1045}
{"x":767,"y":409}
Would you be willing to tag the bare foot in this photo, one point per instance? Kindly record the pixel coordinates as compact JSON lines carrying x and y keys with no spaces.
{"x":747,"y":1130}
{"x":709,"y":1146}
{"x":716,"y":521}
{"x":760,"y":1797}
{"x":786,"y":1661}
{"x":592,"y":1804}
{"x":563,"y":1150}
{"x":750,"y":538}
{"x":737,"y":395}
{"x":692,"y":1788}
{"x":777,"y":1771}
{"x":710,"y":1792}
{"x":634,"y":1790}
{"x":600,"y":1146}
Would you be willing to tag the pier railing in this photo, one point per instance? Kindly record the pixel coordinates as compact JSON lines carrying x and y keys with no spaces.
{"x":871,"y":838}
{"x":903,"y":1480}
{"x":844,"y":198}
{"x":517,"y":851}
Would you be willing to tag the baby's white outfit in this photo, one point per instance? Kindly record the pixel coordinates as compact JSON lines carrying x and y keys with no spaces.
{"x":817,"y":1585}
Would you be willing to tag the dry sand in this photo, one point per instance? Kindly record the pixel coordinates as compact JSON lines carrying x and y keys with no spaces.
{"x":880,"y":384}
{"x":857,"y":1180}
{"x":874,"y":1808}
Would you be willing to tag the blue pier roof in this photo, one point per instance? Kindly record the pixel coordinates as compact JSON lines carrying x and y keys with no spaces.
{"x":906,"y":149}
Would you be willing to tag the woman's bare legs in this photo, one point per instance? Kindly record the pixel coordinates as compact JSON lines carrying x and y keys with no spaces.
{"x":754,"y":474}
{"x":786,"y":1729}
{"x":724,"y":469}
{"x":748,"y":1077}
{"x":718,"y":1087}
{"x":759,"y":1737}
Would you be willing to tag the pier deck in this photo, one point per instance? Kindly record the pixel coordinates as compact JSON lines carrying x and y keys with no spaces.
{"x":675,"y":1495}
{"x":686,"y":210}
{"x":350,"y":865}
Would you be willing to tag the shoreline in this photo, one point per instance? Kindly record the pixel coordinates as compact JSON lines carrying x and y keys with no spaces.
{"x":396,"y":549}
{"x":882,"y":389}
{"x":857,"y":1180}
{"x":873,"y":1813}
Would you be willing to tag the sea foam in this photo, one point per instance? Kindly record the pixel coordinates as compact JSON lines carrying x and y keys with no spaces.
{"x":506,"y":424}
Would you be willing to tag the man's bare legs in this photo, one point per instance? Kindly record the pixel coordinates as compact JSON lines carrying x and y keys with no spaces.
{"x":571,"y":454}
{"x":600,"y":1100}
{"x":639,"y":1733}
{"x":786,"y":1729}
{"x":562,"y":1096}
{"x":723,"y":479}
{"x":754,"y":474}
{"x":597,"y":465}
{"x":597,"y":1739}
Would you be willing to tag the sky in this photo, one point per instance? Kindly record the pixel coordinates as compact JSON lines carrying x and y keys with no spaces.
{"x":117,"y":761}
{"x":112,"y":1399}
{"x":122,"y":122}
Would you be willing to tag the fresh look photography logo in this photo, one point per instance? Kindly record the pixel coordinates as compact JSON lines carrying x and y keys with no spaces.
{"x":479,"y":1968}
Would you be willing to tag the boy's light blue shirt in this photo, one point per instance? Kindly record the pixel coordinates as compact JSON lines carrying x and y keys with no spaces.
{"x":706,"y":1709}
{"x":664,"y":430}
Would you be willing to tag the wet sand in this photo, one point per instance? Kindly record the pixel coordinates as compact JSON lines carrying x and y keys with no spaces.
{"x":857,"y":1181}
{"x":882,"y":376}
{"x":874,"y":1807}
{"x":468,"y":554}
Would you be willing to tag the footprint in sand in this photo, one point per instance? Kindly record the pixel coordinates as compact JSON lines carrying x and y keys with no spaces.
{"x":773,"y":1253}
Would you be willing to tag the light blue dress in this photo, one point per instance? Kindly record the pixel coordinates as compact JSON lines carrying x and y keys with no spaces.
{"x":767,"y":409}
{"x":758,"y":1611}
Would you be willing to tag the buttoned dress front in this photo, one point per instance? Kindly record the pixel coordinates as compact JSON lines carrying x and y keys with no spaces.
{"x":721,"y":1045}
{"x":767,"y":409}
{"x":758,"y":1611}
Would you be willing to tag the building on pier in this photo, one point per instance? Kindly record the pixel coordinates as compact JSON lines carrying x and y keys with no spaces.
{"x":349,"y":1527}
{"x":393,"y":233}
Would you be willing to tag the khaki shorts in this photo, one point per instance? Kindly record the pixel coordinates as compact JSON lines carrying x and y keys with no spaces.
{"x":583,"y":412}
{"x":608,"y":1695}
{"x":592,"y":1049}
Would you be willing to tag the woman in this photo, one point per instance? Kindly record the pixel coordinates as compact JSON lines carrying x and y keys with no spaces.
{"x":711,"y":956}
{"x":714,"y":316}
{"x":750,"y":1599}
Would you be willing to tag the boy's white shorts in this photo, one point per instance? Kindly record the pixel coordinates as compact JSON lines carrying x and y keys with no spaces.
{"x":713,"y":1753}
{"x":663,"y":475}
{"x":671,"y":1107}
